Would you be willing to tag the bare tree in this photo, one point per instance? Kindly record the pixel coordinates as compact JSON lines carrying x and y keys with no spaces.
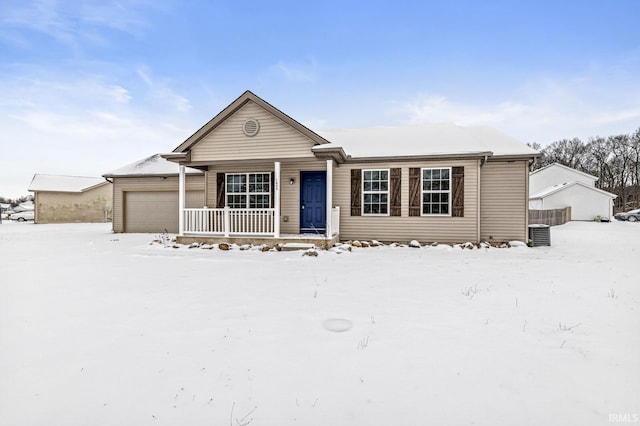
{"x":620,"y":165}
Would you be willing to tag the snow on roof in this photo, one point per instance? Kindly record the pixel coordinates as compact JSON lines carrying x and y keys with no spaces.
{"x":154,"y":165}
{"x":432,"y":139}
{"x":548,"y":166}
{"x":562,"y":186}
{"x":58,"y":183}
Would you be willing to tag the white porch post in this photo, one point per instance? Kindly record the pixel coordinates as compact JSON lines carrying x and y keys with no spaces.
{"x":226,"y":221}
{"x":276,"y":196}
{"x":329,"y":228}
{"x":181,"y":196}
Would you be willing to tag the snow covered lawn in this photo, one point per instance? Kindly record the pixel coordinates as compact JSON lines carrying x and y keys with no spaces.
{"x":106,"y":329}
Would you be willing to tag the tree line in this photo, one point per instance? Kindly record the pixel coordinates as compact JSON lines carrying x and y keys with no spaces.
{"x":615,"y":160}
{"x":16,"y":201}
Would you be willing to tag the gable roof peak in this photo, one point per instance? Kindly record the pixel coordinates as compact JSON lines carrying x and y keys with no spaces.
{"x":234,"y":106}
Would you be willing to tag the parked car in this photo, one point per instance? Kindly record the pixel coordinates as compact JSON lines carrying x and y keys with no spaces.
{"x":23,"y":216}
{"x":7,"y":214}
{"x":631,"y":216}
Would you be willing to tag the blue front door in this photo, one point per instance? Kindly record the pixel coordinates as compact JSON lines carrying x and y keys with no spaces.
{"x":313,"y":202}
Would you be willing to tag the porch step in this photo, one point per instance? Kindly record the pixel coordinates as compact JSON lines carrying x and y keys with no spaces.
{"x":296,"y":246}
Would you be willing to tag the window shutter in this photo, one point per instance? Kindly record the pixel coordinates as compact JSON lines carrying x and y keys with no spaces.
{"x":457,"y":189}
{"x":356,"y":188}
{"x":414,"y":191}
{"x":272,"y":188}
{"x":220,"y":198}
{"x":394,"y":192}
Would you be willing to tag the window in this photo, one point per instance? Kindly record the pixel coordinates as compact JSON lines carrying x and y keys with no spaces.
{"x":249,"y":190}
{"x":436,"y":191}
{"x":375,"y":192}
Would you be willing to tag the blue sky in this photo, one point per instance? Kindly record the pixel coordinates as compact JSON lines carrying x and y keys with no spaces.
{"x":89,"y":86}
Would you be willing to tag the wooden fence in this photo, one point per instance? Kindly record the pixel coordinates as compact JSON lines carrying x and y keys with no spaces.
{"x":550,"y":217}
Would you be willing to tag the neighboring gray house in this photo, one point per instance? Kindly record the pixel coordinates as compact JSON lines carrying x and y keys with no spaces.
{"x":253,"y":172}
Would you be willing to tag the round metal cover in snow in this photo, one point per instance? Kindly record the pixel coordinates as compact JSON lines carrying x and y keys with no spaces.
{"x":337,"y":325}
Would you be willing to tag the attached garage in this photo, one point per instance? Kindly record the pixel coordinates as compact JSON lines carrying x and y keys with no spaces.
{"x":156,"y":211}
{"x":145,"y":195}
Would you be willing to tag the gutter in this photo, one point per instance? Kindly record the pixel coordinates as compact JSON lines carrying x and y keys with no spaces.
{"x":404,"y":158}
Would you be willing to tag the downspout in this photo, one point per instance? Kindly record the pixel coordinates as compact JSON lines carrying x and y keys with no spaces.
{"x":526,"y":203}
{"x":113,"y":193}
{"x":478,"y":221}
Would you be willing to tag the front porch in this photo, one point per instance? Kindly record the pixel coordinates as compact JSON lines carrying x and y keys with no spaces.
{"x":319,"y":222}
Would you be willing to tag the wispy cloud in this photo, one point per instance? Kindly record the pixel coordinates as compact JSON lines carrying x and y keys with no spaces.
{"x":160,"y":90}
{"x":542,"y":110}
{"x":83,"y":126}
{"x":297,"y":72}
{"x":71,"y":22}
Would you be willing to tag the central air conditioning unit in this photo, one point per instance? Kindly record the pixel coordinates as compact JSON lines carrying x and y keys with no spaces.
{"x":539,"y":235}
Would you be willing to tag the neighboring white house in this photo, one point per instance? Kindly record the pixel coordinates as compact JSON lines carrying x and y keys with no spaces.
{"x":557,"y":186}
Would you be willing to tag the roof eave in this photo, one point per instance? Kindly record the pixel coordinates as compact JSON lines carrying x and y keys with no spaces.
{"x":569,"y":185}
{"x":177,"y":157}
{"x":513,"y":157}
{"x":331,"y":152}
{"x":132,"y":175}
{"x":397,"y":158}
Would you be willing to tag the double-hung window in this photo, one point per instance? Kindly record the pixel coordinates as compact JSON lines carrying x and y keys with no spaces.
{"x":248,"y":190}
{"x":436,"y":191}
{"x":375,"y":192}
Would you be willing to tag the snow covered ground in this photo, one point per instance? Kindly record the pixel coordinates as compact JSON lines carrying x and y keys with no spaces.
{"x":106,"y":329}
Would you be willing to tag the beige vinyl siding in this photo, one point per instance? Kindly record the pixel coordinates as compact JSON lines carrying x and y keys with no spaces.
{"x":69,"y":207}
{"x":404,"y":227}
{"x":504,"y":200}
{"x":156,"y":211}
{"x":151,"y":183}
{"x":289,"y":194}
{"x":274,"y":140}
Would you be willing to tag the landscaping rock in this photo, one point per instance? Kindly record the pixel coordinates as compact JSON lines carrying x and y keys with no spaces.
{"x":414,"y":244}
{"x":375,"y":243}
{"x":265,"y":248}
{"x":224,"y":246}
{"x":245,"y":247}
{"x":356,"y":243}
{"x":311,"y":252}
{"x":365,"y":243}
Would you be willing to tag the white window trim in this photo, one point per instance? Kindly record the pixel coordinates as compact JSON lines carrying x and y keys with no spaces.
{"x":388,"y":192}
{"x":422,"y":192}
{"x":247,"y":194}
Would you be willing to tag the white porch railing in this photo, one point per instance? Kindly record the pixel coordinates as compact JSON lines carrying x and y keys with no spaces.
{"x":335,"y":221}
{"x":228,"y":221}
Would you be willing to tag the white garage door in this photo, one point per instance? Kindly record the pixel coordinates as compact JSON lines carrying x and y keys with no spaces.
{"x":156,"y":211}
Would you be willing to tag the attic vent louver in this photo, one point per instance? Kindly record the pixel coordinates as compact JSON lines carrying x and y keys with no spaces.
{"x":251,"y":127}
